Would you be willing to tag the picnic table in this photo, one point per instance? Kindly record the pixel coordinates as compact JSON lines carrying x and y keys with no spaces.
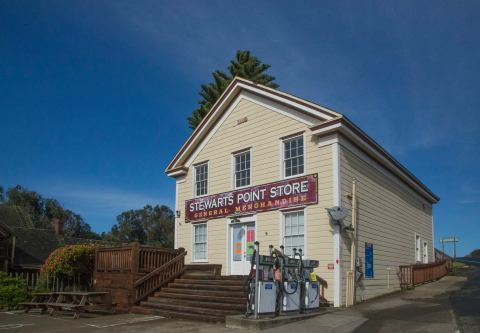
{"x":81,"y":302}
{"x":39,"y":300}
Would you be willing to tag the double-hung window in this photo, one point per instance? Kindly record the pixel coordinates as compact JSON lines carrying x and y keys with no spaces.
{"x":293,"y":156}
{"x":201,"y":179}
{"x":294,"y":232}
{"x":200,"y":242}
{"x":418,"y":250}
{"x":242,"y":169}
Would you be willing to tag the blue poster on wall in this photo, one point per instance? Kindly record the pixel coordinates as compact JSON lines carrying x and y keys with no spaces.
{"x":369,"y":260}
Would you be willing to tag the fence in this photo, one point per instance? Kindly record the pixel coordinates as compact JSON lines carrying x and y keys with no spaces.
{"x":412,"y":275}
{"x":34,"y":281}
{"x":133,"y":258}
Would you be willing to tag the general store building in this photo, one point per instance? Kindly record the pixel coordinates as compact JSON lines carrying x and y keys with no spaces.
{"x":264,"y":165}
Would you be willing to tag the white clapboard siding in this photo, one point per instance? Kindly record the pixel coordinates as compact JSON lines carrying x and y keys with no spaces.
{"x":390,"y":214}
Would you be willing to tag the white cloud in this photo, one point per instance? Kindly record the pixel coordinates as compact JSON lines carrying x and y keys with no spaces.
{"x":469,"y":201}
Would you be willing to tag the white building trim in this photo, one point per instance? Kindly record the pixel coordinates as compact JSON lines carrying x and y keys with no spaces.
{"x":177,"y":219}
{"x":337,"y":236}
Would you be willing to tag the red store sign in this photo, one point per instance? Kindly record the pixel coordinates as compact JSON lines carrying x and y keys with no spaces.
{"x":283,"y":194}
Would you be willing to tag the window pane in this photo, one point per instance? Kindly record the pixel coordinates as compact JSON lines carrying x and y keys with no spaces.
{"x":201,"y":179}
{"x":294,"y":231}
{"x":293,"y":156}
{"x":200,"y":242}
{"x":242,"y":169}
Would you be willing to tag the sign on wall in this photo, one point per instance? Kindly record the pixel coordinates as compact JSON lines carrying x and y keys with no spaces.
{"x":283,"y":194}
{"x":369,"y":273}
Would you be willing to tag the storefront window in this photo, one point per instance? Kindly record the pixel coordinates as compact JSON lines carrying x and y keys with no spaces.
{"x":201,"y":179}
{"x":293,"y":156}
{"x":294,"y":232}
{"x":200,"y":242}
{"x":242,"y":169}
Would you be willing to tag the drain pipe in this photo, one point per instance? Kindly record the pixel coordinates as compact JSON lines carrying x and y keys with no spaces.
{"x":257,"y":257}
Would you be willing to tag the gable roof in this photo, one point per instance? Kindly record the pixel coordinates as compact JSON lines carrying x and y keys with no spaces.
{"x":327,"y":121}
{"x":234,"y":89}
{"x":32,"y":246}
{"x":12,"y":216}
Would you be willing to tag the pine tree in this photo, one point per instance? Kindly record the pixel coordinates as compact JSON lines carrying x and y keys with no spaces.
{"x":246,"y":66}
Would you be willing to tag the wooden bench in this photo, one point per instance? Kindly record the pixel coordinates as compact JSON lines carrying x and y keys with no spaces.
{"x":39,"y":301}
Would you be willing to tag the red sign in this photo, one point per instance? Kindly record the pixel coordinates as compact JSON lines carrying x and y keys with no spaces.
{"x":331,"y":266}
{"x":283,"y":194}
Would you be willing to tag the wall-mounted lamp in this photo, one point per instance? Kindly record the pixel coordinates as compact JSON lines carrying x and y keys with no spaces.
{"x":177,"y":213}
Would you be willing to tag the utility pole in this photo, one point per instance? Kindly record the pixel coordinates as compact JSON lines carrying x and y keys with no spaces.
{"x":453,"y":240}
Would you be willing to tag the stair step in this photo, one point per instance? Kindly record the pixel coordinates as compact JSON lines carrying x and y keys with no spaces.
{"x":234,"y":282}
{"x":202,"y":298}
{"x":189,"y":309}
{"x":196,"y":286}
{"x":199,"y":303}
{"x":206,"y":292}
{"x":175,"y":314}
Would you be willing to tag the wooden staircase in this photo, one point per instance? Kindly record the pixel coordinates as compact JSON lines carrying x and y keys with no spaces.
{"x":198,"y":295}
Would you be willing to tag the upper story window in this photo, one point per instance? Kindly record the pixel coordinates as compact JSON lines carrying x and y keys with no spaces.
{"x":293,"y":157}
{"x":201,"y":179}
{"x":242,"y":169}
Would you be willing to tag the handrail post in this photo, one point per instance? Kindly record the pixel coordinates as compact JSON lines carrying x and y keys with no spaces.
{"x":135,"y":262}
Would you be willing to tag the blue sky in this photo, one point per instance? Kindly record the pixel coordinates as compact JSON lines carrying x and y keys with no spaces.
{"x":94,"y":95}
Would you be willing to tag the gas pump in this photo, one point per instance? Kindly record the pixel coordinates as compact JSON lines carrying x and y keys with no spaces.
{"x":262,"y":293}
{"x":291,"y":284}
{"x":279,"y":283}
{"x":312,"y":285}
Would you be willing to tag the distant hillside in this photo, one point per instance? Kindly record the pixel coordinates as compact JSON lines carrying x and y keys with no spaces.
{"x":475,"y":254}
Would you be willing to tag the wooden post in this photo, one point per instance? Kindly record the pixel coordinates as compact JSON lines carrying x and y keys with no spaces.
{"x":135,"y":260}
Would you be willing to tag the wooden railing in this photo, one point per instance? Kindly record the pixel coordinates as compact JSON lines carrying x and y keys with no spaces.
{"x":412,"y":275}
{"x":160,"y":276}
{"x":133,"y":258}
{"x":150,"y":258}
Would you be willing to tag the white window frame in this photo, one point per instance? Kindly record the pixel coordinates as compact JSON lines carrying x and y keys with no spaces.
{"x":194,"y":225}
{"x":418,"y":248}
{"x":424,"y":251}
{"x":195,"y":179}
{"x":282,"y":154}
{"x":283,"y":213}
{"x":234,"y":169}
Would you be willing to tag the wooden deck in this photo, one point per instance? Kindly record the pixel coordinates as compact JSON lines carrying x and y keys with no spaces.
{"x":131,"y":273}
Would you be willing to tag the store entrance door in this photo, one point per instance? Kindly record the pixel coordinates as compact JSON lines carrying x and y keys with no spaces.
{"x":242,"y":237}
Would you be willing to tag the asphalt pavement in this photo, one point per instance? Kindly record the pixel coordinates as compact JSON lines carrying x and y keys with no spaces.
{"x":466,"y":302}
{"x":448,"y":305}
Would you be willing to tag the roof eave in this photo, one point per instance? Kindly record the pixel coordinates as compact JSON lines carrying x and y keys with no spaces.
{"x":349,"y":130}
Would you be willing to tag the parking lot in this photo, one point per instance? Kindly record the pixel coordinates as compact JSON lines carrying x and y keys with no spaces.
{"x":18,"y":321}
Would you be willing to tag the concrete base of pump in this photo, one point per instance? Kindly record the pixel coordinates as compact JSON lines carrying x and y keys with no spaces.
{"x":240,"y":322}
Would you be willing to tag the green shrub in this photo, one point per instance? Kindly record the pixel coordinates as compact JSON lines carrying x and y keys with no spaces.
{"x":12,"y":291}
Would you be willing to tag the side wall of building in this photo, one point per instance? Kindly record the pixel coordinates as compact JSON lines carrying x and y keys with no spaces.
{"x":262,"y":132}
{"x":390,"y":215}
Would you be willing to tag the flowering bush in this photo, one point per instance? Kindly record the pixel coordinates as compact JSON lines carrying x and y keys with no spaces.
{"x":69,"y":261}
{"x":12,"y":291}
